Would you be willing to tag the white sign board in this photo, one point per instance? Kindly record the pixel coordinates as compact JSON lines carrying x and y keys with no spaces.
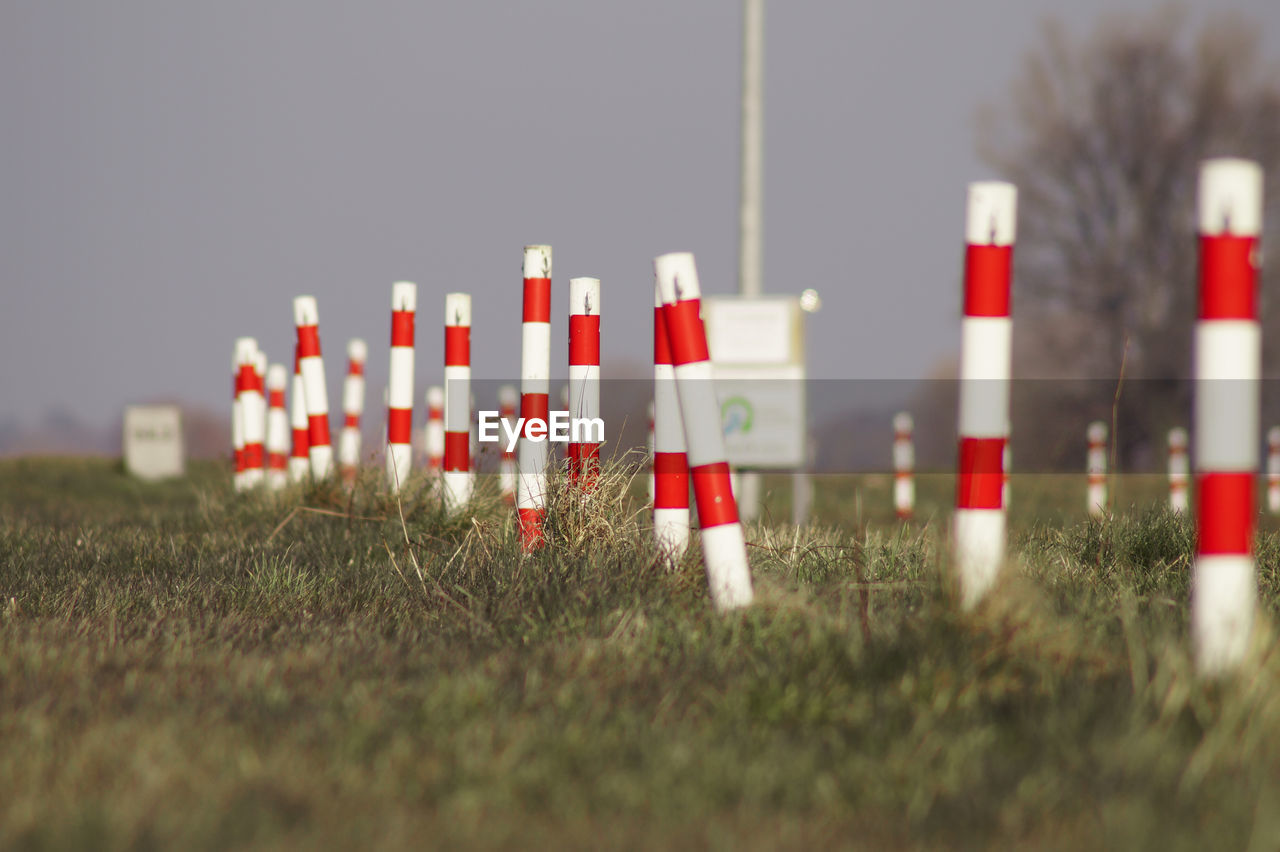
{"x":757,"y":356}
{"x":153,"y":441}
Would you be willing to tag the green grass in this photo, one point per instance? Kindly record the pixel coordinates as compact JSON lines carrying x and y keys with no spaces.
{"x":180,"y":668}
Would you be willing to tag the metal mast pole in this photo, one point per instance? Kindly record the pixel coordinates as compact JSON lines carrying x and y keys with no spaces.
{"x":750,"y":218}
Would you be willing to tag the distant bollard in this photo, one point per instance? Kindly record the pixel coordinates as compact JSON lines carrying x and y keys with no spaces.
{"x":904,"y":465}
{"x":433,"y":436}
{"x":253,"y":411}
{"x":985,"y":360}
{"x":277,"y":428}
{"x":1179,"y":470}
{"x":260,"y":416}
{"x":1228,"y":359}
{"x":404,"y":305}
{"x":670,"y":464}
{"x":535,"y":387}
{"x":508,"y":400}
{"x":724,"y":548}
{"x":352,"y":410}
{"x":306,"y":316}
{"x":1096,"y":469}
{"x":237,"y":419}
{"x":1273,"y":470}
{"x":458,"y":477}
{"x":584,"y":378}
{"x":299,"y":452}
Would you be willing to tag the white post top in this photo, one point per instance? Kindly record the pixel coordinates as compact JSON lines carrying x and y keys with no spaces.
{"x":992,"y":214}
{"x":677,"y":277}
{"x":245,"y":349}
{"x":357,"y":350}
{"x":903,"y":422}
{"x":457,"y":309}
{"x":584,"y":296}
{"x":277,"y":377}
{"x":1097,"y":432}
{"x":508,"y":395}
{"x":435,"y":396}
{"x":1178,"y":438}
{"x":305,"y":311}
{"x":260,"y":362}
{"x":1230,"y":198}
{"x":1273,"y":437}
{"x":404,"y":296}
{"x":537,"y":261}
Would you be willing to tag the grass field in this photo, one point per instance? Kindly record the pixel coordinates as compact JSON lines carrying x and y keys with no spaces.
{"x":180,"y":668}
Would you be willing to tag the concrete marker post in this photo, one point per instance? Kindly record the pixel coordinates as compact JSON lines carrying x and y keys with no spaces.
{"x":404,"y":305}
{"x":1273,"y":470}
{"x":306,"y":316}
{"x":670,"y":464}
{"x":724,"y":546}
{"x":1228,"y":361}
{"x":904,"y":465}
{"x":352,"y":409}
{"x":985,"y":363}
{"x":535,"y":387}
{"x":1096,"y":469}
{"x":584,"y":377}
{"x":458,"y":478}
{"x":277,"y":428}
{"x":508,"y":400}
{"x":1179,"y":470}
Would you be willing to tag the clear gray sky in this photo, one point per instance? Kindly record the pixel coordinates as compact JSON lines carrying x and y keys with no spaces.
{"x":173,"y":173}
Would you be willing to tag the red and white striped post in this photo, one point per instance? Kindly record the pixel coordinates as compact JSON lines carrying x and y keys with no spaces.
{"x":299,"y":463}
{"x":1179,"y":470}
{"x":277,"y":429}
{"x":253,"y":412}
{"x":1273,"y":470}
{"x":535,"y":386}
{"x":352,"y":408}
{"x":724,"y":548}
{"x":434,"y":433}
{"x":985,"y":364}
{"x":404,"y":304}
{"x":670,"y":464}
{"x":584,"y":377}
{"x":1228,"y":361}
{"x":458,"y":477}
{"x":260,"y":427}
{"x":904,"y":465}
{"x":306,"y":316}
{"x":1096,"y":468}
{"x":237,"y":417}
{"x":508,"y":399}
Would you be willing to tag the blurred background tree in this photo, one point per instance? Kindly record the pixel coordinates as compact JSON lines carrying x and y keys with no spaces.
{"x":1103,"y":136}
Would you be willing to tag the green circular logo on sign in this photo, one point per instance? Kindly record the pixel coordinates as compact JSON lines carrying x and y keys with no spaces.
{"x":736,"y":415}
